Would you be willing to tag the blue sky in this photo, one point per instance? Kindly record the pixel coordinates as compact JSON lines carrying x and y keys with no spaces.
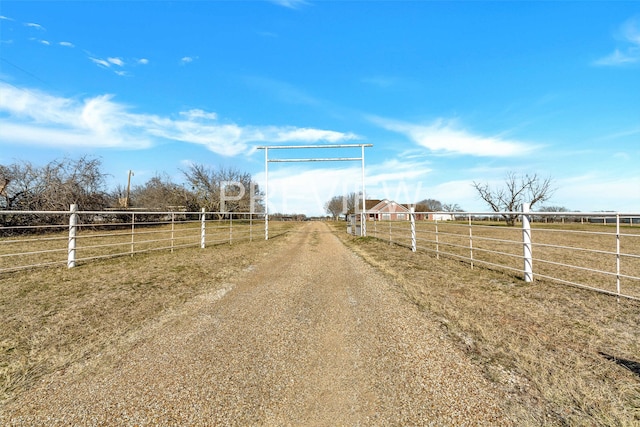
{"x":448,"y":93}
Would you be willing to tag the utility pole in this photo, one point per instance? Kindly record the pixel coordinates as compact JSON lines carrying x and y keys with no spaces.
{"x":126,"y":200}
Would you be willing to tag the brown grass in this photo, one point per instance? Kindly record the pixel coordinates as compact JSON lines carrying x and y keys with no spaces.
{"x":563,"y":355}
{"x":54,"y":317}
{"x":576,"y":245}
{"x":19,"y":252}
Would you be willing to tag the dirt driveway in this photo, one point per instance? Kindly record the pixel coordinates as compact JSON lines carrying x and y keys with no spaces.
{"x":310,"y":335}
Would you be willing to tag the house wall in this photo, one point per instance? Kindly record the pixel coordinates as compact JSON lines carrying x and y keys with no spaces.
{"x":440,"y":217}
{"x":389,"y":212}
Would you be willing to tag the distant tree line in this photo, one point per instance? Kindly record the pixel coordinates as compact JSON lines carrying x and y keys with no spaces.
{"x":54,"y":186}
{"x":61,"y":183}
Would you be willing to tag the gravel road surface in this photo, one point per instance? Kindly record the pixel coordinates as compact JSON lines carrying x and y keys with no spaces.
{"x":310,"y":335}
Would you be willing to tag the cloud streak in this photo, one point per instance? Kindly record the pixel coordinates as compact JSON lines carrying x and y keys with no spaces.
{"x":34,"y":25}
{"x":116,"y":64}
{"x":37,"y":118}
{"x":187,"y":59}
{"x":629,"y":53}
{"x":447,"y":137}
{"x":290,"y":4}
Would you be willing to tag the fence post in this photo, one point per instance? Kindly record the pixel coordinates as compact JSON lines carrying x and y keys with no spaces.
{"x":133,"y":231}
{"x":203,"y":236}
{"x":230,"y":228}
{"x":73,"y":228}
{"x":173,"y":221}
{"x":618,"y":255}
{"x":526,"y":240}
{"x":412,"y":215}
{"x":437,"y":241}
{"x":470,"y":241}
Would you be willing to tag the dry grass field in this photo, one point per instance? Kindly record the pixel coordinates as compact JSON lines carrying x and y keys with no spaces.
{"x":54,"y":317}
{"x":563,"y":355}
{"x":566,"y":356}
{"x":577,"y":253}
{"x":96,"y":242}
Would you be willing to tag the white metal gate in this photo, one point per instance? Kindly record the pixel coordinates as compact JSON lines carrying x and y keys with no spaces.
{"x":267,"y":160}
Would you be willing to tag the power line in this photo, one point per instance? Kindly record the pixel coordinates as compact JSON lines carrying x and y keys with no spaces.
{"x":30,"y":74}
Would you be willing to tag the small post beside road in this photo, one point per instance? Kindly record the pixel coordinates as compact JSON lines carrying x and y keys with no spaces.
{"x":618,"y":254}
{"x":526,"y":240}
{"x":73,"y":228}
{"x":470,"y":241}
{"x":412,"y":215}
{"x":203,"y":236}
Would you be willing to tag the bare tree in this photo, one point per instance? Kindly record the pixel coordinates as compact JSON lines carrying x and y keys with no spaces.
{"x":54,"y":186}
{"x":335,"y":206}
{"x":451,"y":207}
{"x":162,"y":194}
{"x":3,"y":184}
{"x":429,"y":205}
{"x":211,"y":187}
{"x":353,"y":203}
{"x":343,"y":205}
{"x":516,"y":191}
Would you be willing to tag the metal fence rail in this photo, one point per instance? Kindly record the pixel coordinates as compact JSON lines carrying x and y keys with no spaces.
{"x":31,"y":239}
{"x":597,"y":251}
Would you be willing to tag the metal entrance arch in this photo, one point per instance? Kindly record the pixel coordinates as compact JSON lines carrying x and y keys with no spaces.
{"x":317,"y":159}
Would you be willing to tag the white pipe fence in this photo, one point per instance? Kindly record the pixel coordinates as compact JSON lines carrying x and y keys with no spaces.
{"x":31,"y":239}
{"x":599,"y":251}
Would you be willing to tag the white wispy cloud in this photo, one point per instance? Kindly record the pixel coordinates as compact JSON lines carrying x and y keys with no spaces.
{"x":447,"y":137}
{"x":619,"y":58}
{"x":291,"y":4}
{"x":101,"y":62}
{"x":397,"y":170}
{"x":629,"y":52}
{"x":143,"y":61}
{"x":599,"y":190}
{"x":188,"y":59}
{"x":116,"y":61}
{"x":45,"y":42}
{"x":34,"y":25}
{"x":285,"y":134}
{"x":66,"y":44}
{"x":109,"y":63}
{"x":198,"y":114}
{"x":37,"y":118}
{"x":5,"y":18}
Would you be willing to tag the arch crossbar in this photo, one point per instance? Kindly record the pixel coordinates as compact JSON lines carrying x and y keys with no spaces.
{"x":267,"y":160}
